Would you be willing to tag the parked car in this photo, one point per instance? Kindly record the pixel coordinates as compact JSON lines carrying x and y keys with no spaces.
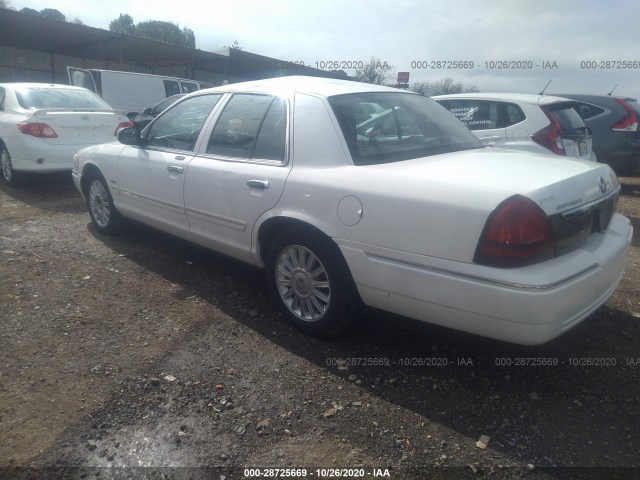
{"x":43,"y":125}
{"x":533,"y":123}
{"x":130,"y":91}
{"x":141,"y":120}
{"x":614,"y":124}
{"x":398,"y":206}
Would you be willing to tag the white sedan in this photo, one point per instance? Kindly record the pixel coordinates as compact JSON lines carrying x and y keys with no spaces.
{"x":352,"y":193}
{"x":43,"y":125}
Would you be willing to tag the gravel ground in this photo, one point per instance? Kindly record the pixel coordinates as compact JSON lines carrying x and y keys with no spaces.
{"x":142,"y":350}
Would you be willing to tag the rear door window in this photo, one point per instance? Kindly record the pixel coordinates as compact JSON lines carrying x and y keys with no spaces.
{"x":251,"y":126}
{"x":2,"y":95}
{"x":476,"y":114}
{"x":512,"y":114}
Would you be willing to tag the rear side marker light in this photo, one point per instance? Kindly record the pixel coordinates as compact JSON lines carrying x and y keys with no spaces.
{"x":550,"y":136}
{"x":630,"y":122}
{"x":36,"y":129}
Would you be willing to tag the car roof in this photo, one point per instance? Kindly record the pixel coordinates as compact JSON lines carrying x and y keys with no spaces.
{"x":38,"y":85}
{"x":595,"y":98}
{"x":507,"y":97}
{"x":315,"y":85}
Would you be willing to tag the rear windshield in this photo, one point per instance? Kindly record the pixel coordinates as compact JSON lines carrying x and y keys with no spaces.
{"x":390,"y":127}
{"x":568,"y":118}
{"x":37,"y":98}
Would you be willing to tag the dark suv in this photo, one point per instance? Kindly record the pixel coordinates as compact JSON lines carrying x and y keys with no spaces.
{"x":613,"y":122}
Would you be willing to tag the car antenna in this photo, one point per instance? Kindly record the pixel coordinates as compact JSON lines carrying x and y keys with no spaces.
{"x":542,"y":92}
{"x":613,"y":89}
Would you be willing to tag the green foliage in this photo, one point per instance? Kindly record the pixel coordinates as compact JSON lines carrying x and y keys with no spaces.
{"x":154,"y":29}
{"x":53,"y":14}
{"x":30,"y":11}
{"x":123,"y":24}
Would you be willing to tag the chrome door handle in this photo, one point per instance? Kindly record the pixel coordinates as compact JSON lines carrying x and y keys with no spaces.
{"x":179,"y":157}
{"x":264,"y":184}
{"x":175,"y":169}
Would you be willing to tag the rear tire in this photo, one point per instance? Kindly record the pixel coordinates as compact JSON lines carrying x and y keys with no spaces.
{"x":104,"y":215}
{"x":9,"y":175}
{"x":310,"y":281}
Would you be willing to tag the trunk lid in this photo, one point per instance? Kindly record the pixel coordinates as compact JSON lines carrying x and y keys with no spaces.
{"x":556,"y":184}
{"x":80,"y":126}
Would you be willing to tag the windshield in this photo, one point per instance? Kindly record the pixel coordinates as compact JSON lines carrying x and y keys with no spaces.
{"x":390,"y":127}
{"x":64,"y":98}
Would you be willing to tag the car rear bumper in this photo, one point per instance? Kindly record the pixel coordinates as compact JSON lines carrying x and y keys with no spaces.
{"x":529,"y":305}
{"x":36,"y":156}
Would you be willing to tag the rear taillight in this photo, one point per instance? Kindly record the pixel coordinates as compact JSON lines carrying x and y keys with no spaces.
{"x":550,"y":136}
{"x":630,"y":122}
{"x":517,"y":233}
{"x":36,"y":129}
{"x":122,"y":125}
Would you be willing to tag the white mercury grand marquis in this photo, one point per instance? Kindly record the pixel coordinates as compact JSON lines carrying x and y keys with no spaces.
{"x":350,"y":193}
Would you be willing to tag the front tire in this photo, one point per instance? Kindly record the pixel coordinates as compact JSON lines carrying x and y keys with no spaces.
{"x":310,"y":281}
{"x":9,"y":175}
{"x":104,"y":215}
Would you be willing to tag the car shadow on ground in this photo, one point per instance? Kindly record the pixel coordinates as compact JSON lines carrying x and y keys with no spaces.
{"x":567,"y":402}
{"x":53,"y":192}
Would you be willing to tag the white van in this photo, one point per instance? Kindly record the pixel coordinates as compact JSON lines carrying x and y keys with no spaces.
{"x":129,"y":91}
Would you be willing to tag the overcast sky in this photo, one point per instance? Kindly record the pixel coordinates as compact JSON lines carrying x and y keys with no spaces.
{"x":409,"y":34}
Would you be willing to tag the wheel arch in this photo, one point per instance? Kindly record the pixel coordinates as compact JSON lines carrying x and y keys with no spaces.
{"x":87,"y":169}
{"x":274,"y":226}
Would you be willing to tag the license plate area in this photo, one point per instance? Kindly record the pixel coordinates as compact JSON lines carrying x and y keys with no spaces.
{"x":582,"y":147}
{"x":572,"y":229}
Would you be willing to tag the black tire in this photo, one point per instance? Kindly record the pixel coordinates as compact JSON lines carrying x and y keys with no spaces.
{"x":104,"y":214}
{"x":9,"y":175}
{"x":295,"y":262}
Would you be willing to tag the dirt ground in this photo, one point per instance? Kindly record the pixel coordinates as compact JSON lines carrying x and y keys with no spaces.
{"x":145,"y":351}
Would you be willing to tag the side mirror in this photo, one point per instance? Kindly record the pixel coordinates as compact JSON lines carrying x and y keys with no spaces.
{"x":148,"y":111}
{"x":130,"y":136}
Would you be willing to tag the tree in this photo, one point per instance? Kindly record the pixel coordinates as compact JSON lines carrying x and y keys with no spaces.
{"x":77,"y":21}
{"x":376,"y":71}
{"x":6,"y":4}
{"x":52,"y":14}
{"x":235,"y":46}
{"x":189,"y":38}
{"x":123,"y":24}
{"x":166,"y":32}
{"x":423,"y":88}
{"x":30,"y":11}
{"x":444,"y":86}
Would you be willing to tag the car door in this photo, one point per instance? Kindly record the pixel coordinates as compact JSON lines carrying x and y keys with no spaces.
{"x":481,"y":117}
{"x":151,"y":176}
{"x":239,"y":172}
